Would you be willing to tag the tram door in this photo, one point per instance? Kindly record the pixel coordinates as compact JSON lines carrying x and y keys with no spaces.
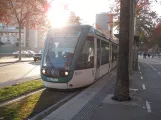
{"x":98,"y":60}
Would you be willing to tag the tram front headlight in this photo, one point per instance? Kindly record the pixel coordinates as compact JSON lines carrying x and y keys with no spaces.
{"x":66,"y":73}
{"x":43,"y":71}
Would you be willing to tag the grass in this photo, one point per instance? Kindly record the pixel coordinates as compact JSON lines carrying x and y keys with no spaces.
{"x":32,"y":105}
{"x":10,"y":92}
{"x":20,"y":109}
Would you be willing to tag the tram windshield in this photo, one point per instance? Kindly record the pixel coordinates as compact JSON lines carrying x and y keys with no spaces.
{"x":60,"y":49}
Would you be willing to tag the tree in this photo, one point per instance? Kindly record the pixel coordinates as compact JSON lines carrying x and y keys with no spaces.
{"x":155,"y":38}
{"x":144,"y":15}
{"x":157,"y":30}
{"x":122,"y":85}
{"x":146,"y":19}
{"x":73,"y":19}
{"x":29,"y":13}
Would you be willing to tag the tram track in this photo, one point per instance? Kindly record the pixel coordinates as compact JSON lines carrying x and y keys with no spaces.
{"x":53,"y":107}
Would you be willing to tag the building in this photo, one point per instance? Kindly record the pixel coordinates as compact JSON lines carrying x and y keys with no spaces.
{"x":104,"y":23}
{"x":30,"y":39}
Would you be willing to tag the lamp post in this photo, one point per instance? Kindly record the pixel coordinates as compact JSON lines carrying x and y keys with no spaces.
{"x":110,"y":30}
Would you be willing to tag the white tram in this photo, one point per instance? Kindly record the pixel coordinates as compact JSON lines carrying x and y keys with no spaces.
{"x":76,"y":56}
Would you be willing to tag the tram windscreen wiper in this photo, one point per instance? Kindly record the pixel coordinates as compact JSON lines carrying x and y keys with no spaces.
{"x":47,"y":55}
{"x":48,"y":58}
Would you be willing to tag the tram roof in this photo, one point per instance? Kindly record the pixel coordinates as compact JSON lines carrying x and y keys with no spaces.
{"x":72,"y":25}
{"x":91,"y":30}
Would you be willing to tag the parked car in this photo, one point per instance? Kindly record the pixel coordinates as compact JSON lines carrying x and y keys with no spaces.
{"x":24,"y":53}
{"x":37,"y":56}
{"x":30,"y":53}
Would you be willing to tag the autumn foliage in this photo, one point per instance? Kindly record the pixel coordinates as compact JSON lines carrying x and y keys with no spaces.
{"x":73,"y":19}
{"x":155,"y":38}
{"x":157,"y":30}
{"x":30,"y":13}
{"x":24,"y":13}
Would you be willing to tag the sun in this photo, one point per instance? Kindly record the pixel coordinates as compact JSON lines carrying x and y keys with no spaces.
{"x":57,"y":15}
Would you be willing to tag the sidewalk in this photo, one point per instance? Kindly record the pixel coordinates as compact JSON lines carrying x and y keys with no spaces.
{"x":95,"y":103}
{"x":13,"y":60}
{"x":130,"y":110}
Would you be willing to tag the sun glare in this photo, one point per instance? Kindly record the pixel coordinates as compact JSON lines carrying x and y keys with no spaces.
{"x":57,"y":15}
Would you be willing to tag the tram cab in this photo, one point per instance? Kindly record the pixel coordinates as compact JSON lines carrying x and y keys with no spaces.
{"x":76,"y":56}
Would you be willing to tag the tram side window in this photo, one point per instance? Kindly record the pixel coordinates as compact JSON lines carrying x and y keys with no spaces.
{"x":104,"y":52}
{"x":86,"y":58}
{"x":114,"y":53}
{"x":98,"y":53}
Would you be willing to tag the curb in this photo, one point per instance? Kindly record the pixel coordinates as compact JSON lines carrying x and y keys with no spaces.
{"x":21,"y":80}
{"x":17,"y":61}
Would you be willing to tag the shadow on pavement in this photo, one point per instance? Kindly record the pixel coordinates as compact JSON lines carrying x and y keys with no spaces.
{"x":6,"y":64}
{"x":46,"y":99}
{"x":35,"y":63}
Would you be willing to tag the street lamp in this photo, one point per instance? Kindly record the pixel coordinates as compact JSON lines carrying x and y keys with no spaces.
{"x":110,"y":29}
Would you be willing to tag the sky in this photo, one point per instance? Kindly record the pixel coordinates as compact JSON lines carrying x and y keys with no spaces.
{"x":86,"y":9}
{"x":157,"y":8}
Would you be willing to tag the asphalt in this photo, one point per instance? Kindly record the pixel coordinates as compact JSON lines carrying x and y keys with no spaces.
{"x":95,"y":102}
{"x":16,"y":72}
{"x":145,"y":104}
{"x":14,"y":60}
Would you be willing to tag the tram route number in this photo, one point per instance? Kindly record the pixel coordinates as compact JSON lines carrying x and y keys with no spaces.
{"x":53,"y":79}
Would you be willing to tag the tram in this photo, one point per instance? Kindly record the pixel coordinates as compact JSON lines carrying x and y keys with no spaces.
{"x":76,"y":56}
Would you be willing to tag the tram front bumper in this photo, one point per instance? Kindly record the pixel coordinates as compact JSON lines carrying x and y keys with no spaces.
{"x":55,"y":85}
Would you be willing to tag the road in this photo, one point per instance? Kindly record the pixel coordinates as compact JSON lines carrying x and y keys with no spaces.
{"x":150,"y":75}
{"x":145,"y":91}
{"x":19,"y":70}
